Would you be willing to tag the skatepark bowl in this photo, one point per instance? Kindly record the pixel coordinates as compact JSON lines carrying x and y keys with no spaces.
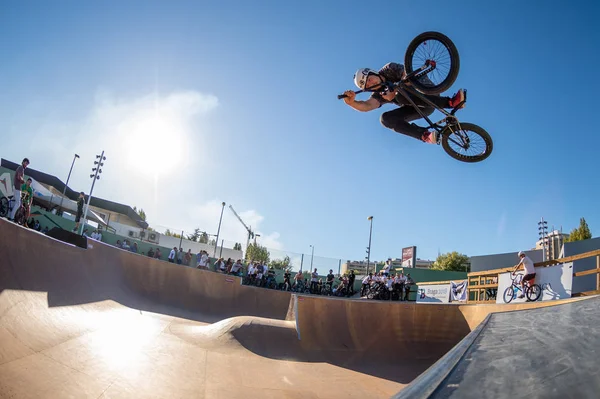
{"x":102,"y":322}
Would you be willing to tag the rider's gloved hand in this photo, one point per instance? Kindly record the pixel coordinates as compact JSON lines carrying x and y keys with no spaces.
{"x":349,"y":99}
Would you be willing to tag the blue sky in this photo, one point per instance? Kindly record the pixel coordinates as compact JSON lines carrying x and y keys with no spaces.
{"x":237,"y":101}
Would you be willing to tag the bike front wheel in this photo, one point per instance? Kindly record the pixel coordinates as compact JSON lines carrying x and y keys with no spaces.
{"x":509,"y":295}
{"x":433,"y":47}
{"x":467,"y":142}
{"x":534,"y":292}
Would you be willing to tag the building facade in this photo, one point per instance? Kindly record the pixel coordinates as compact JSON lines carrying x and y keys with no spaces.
{"x":552,"y":244}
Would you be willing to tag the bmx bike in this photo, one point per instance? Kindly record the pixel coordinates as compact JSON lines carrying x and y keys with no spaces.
{"x":432,"y":63}
{"x":6,"y":206}
{"x":532,"y":292}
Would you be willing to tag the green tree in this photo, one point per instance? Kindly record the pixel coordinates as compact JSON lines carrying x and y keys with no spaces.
{"x":195,"y":236}
{"x":257,"y":253}
{"x":168,"y":233}
{"x":580,"y":233}
{"x":451,"y":261}
{"x":280,"y":263}
{"x":140,"y":212}
{"x":212,"y":242}
{"x":203,"y":238}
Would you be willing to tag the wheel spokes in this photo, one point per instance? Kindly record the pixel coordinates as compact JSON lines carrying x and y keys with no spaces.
{"x":467,"y":143}
{"x":436,"y":51}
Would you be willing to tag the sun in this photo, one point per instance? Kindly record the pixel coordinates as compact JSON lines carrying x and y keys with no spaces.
{"x":155,"y":143}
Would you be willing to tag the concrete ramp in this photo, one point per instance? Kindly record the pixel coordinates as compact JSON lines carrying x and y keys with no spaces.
{"x":551,"y":352}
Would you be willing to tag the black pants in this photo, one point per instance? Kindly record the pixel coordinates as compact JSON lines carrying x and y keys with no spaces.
{"x":398,"y":119}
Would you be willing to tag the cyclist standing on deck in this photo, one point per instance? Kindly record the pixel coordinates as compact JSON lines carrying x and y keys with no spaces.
{"x":529,"y":268}
{"x":19,"y":180}
{"x":397,"y":120}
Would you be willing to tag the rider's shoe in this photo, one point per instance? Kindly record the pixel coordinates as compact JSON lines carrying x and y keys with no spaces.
{"x":458,"y":98}
{"x":521,"y":296}
{"x":430,"y":137}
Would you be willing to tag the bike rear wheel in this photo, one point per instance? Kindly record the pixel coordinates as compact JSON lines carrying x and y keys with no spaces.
{"x":467,"y":142}
{"x":437,"y":47}
{"x":3,"y":207}
{"x":534,"y":292}
{"x":20,"y":217}
{"x":509,"y":294}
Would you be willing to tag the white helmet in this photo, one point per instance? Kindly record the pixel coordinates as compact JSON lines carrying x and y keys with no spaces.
{"x":521,"y":253}
{"x":360,"y":77}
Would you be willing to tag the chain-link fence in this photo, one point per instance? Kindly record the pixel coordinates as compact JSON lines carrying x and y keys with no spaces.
{"x":245,"y":250}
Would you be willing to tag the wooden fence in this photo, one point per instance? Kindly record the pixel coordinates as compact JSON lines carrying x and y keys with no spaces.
{"x":483,"y":286}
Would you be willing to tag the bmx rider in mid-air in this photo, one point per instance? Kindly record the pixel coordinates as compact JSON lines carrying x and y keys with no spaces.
{"x":398,"y":119}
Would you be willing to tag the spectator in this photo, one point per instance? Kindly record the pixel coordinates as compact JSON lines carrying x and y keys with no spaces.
{"x":236,"y":267}
{"x":80,"y":202}
{"x":188,"y":257}
{"x":313,"y":281}
{"x":172,"y":255}
{"x":151,"y":253}
{"x":387,"y":267}
{"x":18,"y":183}
{"x":351,"y":279}
{"x":157,"y":255}
{"x":180,"y":256}
{"x":220,"y":265}
{"x":45,"y":231}
{"x":203,"y":260}
{"x":134,"y":247}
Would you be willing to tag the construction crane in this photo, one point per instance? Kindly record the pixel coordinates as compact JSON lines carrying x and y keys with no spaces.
{"x":249,"y":229}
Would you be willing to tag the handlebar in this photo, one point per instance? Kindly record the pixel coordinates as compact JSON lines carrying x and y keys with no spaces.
{"x":340,"y":96}
{"x":389,"y":85}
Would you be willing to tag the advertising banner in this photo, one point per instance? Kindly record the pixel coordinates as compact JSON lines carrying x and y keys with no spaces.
{"x":409,"y":256}
{"x":435,"y":293}
{"x":458,"y":291}
{"x":556,"y":283}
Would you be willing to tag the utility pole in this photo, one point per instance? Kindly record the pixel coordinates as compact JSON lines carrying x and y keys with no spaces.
{"x":95,"y":176}
{"x":219,"y":230}
{"x":66,"y":184}
{"x":369,"y":247}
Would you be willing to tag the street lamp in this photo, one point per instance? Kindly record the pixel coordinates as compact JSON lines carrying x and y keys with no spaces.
{"x":67,"y":183}
{"x":219,"y":230}
{"x":369,"y":247}
{"x":311,"y":257}
{"x":95,"y":176}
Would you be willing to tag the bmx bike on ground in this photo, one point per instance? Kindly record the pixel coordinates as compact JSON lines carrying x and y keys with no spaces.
{"x":435,"y":55}
{"x":6,"y":206}
{"x":532,"y":292}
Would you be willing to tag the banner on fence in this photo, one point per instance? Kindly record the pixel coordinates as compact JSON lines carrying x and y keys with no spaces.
{"x":458,"y":291}
{"x":435,"y":293}
{"x":556,"y":283}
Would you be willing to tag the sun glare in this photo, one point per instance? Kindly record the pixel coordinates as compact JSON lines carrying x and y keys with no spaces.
{"x":155,"y":144}
{"x":124,"y":340}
